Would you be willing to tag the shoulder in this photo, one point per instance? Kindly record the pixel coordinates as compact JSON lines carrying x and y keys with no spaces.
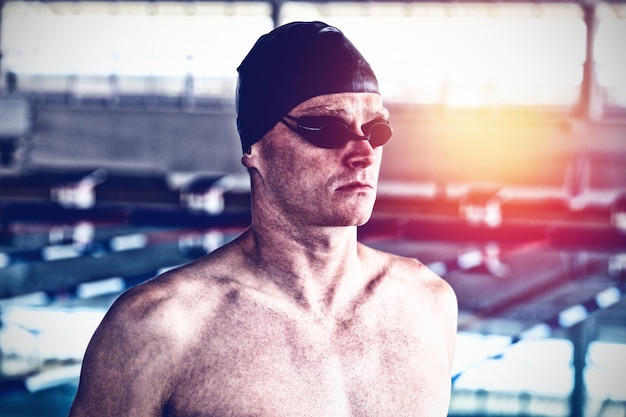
{"x":140,"y":349}
{"x":399,"y":267}
{"x":170,"y":306}
{"x":179,"y":303}
{"x":415,"y":278}
{"x":426,"y":297}
{"x":160,"y":318}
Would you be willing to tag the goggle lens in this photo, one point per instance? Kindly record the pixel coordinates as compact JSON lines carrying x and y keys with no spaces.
{"x":332,"y":132}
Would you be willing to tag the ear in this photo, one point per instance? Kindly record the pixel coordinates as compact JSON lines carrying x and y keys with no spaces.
{"x":250,"y":158}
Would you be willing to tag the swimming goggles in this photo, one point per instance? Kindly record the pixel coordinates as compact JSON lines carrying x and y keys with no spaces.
{"x":332,"y":132}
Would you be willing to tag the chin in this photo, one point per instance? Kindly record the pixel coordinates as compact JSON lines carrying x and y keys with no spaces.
{"x":355,"y":213}
{"x":364,"y":221}
{"x":354,"y":219}
{"x":363,"y":214}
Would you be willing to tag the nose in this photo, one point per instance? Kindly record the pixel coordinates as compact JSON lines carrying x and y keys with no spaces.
{"x":360,"y":154}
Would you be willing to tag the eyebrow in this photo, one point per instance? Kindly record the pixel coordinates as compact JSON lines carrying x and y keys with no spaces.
{"x":339,"y":112}
{"x":314,"y":111}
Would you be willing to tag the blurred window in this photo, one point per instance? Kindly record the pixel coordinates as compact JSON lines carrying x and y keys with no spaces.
{"x":140,"y":46}
{"x":610,"y":54}
{"x":450,"y":54}
{"x":465,"y":54}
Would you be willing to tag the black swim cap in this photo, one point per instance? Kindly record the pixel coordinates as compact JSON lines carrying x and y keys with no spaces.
{"x":291,"y":64}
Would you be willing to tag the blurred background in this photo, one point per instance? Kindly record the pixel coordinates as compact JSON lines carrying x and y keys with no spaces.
{"x":119,"y":159}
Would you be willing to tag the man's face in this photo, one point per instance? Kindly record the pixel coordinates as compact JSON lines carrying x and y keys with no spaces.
{"x":318,"y":186}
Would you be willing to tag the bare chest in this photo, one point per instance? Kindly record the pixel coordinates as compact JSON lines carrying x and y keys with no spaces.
{"x":271,"y":366}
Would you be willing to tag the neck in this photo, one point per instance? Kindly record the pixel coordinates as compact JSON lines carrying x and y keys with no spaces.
{"x":311,"y":265}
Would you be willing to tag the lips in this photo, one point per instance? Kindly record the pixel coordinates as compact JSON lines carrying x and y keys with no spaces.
{"x":356,"y":186}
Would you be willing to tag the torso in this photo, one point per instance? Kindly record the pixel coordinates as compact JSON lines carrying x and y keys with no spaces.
{"x":387,"y":355}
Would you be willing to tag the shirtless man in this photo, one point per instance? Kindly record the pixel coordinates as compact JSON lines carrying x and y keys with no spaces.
{"x":294,"y":317}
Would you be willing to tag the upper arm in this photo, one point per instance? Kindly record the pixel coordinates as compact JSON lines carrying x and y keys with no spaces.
{"x":450,"y":311}
{"x":125,"y":368}
{"x":446,"y":308}
{"x":443,"y":306}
